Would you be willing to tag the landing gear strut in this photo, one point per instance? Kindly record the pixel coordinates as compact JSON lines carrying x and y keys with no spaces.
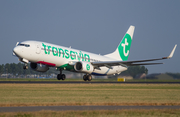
{"x":87,"y":77}
{"x":61,"y":76}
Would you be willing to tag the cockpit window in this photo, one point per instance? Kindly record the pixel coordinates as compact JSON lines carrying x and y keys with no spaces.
{"x":26,"y":45}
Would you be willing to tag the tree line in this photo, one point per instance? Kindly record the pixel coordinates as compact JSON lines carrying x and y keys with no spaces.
{"x":135,"y":70}
{"x":17,"y":69}
{"x":174,"y":75}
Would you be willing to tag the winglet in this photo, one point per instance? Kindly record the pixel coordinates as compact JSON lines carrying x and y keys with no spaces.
{"x":172,"y":52}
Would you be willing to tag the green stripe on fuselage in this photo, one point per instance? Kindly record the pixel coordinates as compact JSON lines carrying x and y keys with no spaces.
{"x":66,"y":67}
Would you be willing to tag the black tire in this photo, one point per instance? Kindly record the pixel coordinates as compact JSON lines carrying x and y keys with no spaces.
{"x":89,"y":77}
{"x":63,"y":76}
{"x":59,"y":76}
{"x":85,"y":77}
{"x":25,"y":67}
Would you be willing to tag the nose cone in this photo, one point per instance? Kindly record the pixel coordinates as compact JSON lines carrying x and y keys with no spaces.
{"x":17,"y":51}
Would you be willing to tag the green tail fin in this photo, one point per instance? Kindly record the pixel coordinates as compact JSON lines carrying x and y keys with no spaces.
{"x":123,"y":49}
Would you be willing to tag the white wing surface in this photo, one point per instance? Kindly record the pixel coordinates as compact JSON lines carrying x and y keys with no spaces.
{"x":130,"y":63}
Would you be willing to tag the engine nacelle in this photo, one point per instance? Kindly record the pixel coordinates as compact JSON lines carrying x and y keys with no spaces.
{"x":39,"y":67}
{"x":85,"y":67}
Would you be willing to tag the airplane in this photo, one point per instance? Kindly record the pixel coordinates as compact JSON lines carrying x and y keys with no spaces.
{"x":43,"y":55}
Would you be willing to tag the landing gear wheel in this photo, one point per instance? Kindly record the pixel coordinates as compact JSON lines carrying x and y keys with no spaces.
{"x":59,"y":76}
{"x":89,"y":77}
{"x":25,"y":67}
{"x":63,"y":77}
{"x":84,"y":77}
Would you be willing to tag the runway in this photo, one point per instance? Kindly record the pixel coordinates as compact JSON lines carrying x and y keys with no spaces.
{"x":75,"y":108}
{"x":83,"y":82}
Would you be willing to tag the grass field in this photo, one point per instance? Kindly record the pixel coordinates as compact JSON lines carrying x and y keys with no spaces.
{"x":89,"y":94}
{"x":101,"y":113}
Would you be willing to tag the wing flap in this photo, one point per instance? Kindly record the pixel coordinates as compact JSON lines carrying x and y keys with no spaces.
{"x":145,"y":64}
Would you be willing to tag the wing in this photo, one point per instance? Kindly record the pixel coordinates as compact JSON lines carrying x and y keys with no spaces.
{"x":109,"y":64}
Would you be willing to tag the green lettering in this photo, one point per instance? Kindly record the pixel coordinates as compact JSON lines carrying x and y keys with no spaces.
{"x":73,"y":56}
{"x":55,"y":51}
{"x":80,"y":56}
{"x":87,"y":58}
{"x":49,"y":49}
{"x":60,"y":49}
{"x":44,"y":48}
{"x":67,"y":54}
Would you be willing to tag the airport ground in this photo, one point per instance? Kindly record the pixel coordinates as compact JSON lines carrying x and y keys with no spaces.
{"x":98,"y":113}
{"x":91,"y":94}
{"x":93,"y":80}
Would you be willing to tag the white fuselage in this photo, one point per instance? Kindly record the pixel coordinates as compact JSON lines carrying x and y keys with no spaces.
{"x":59,"y":56}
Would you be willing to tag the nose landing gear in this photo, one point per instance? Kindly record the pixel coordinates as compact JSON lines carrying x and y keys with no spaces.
{"x":25,"y":66}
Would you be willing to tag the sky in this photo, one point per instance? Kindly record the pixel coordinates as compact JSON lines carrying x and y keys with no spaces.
{"x":95,"y":26}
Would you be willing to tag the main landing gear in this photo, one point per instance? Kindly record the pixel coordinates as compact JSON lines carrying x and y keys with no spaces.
{"x":87,"y":77}
{"x":61,"y":76}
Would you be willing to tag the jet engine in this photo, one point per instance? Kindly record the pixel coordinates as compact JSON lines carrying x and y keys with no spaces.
{"x":39,"y":67}
{"x":83,"y":66}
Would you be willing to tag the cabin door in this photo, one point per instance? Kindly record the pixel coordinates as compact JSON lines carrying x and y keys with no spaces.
{"x":38,"y":49}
